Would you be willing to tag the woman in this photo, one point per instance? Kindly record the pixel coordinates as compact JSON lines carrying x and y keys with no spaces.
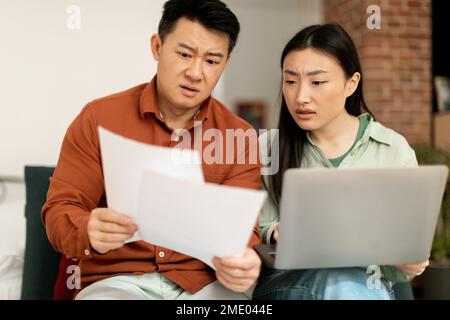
{"x":324,"y":122}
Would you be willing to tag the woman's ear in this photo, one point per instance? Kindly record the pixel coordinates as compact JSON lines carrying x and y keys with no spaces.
{"x":156,"y":44}
{"x":352,"y":84}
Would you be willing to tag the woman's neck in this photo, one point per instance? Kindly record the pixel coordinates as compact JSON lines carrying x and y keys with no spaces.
{"x":338,"y":136}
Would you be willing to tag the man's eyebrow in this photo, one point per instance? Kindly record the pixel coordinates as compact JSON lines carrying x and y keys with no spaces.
{"x":291,"y":72}
{"x":184,"y":45}
{"x":213,"y":54}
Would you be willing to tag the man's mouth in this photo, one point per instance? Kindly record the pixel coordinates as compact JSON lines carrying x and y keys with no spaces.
{"x":189,"y":88}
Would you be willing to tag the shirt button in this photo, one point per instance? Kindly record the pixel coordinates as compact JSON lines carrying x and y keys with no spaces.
{"x":161,"y":254}
{"x":87,"y":252}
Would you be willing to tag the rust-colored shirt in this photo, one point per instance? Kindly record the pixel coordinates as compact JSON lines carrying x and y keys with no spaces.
{"x":77,"y":186}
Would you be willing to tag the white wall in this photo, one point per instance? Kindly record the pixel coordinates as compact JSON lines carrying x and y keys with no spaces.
{"x":267,"y":25}
{"x":49,"y":72}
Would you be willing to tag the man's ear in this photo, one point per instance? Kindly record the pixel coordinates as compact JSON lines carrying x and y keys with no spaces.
{"x":156,"y":43}
{"x":352,"y":84}
{"x":227,"y":62}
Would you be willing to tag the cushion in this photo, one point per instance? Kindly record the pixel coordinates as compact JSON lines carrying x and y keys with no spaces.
{"x":41,"y":263}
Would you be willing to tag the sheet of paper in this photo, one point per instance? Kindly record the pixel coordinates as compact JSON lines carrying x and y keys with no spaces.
{"x":199,"y":220}
{"x":124,"y":161}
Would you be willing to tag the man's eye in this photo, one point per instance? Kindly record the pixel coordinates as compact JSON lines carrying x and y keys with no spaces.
{"x":184,"y":55}
{"x":212,"y":61}
{"x":289,"y":82}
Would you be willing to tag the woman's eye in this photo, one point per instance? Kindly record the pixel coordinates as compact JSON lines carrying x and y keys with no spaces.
{"x":290,"y":82}
{"x":318,"y":83}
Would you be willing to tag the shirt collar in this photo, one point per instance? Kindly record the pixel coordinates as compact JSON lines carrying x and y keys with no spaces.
{"x":148,"y":103}
{"x":374,"y":131}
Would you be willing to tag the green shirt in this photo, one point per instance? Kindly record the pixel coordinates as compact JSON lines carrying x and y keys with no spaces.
{"x":378,"y":147}
{"x":363,"y":123}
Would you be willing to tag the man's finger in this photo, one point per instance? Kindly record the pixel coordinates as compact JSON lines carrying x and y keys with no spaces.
{"x":229,"y":279}
{"x":236,"y":273}
{"x":116,"y":228}
{"x":108,"y":215}
{"x":246,"y":262}
{"x":104,"y":248}
{"x":237,"y":287}
{"x":112,"y":237}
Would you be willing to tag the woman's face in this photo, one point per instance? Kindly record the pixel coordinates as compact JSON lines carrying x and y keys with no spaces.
{"x":315,"y":88}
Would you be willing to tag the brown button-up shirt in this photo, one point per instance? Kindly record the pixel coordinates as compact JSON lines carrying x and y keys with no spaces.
{"x":77,"y":186}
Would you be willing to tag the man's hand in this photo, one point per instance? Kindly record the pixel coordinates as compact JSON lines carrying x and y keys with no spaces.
{"x":108,"y":229}
{"x":413,"y":268}
{"x":238,"y":274}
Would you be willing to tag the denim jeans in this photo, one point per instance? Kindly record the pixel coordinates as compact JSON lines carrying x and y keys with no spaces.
{"x":320,"y":284}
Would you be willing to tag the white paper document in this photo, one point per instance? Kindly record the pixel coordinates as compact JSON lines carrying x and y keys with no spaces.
{"x":124,"y":161}
{"x":163,"y":191}
{"x":199,"y":220}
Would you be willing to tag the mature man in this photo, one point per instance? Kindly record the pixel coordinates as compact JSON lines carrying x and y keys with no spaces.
{"x":192,"y":49}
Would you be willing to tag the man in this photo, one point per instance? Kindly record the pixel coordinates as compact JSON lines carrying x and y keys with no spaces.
{"x":192,"y":49}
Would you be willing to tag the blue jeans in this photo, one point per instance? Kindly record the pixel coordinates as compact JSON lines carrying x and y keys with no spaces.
{"x":320,"y":284}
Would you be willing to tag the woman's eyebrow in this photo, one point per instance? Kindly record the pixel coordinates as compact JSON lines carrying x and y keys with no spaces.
{"x":309,"y":73}
{"x":316,"y":72}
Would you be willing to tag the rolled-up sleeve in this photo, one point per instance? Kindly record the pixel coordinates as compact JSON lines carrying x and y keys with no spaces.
{"x":75,"y":189}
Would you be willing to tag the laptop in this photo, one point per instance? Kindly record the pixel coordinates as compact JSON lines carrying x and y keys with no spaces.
{"x":333,"y":218}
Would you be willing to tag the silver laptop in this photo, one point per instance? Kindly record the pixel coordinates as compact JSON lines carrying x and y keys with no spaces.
{"x":356,"y":217}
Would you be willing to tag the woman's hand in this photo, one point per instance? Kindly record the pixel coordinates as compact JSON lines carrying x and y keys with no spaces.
{"x":275,"y":233}
{"x":413,"y":268}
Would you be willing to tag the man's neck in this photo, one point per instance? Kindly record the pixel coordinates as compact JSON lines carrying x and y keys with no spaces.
{"x":176,"y":118}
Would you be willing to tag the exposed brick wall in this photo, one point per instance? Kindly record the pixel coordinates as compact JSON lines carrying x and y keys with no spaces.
{"x":396,"y":60}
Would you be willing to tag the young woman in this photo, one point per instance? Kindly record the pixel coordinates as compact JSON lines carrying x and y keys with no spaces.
{"x":324,"y":122}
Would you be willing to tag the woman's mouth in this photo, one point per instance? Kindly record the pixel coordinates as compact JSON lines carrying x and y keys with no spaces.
{"x":305,"y":114}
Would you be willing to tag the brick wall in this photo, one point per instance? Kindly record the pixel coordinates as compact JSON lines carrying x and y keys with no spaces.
{"x":396,"y":60}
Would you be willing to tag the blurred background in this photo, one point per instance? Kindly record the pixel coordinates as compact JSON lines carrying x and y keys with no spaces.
{"x":57,"y":55}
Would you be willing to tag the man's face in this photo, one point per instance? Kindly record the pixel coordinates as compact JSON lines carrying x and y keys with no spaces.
{"x":190,"y":62}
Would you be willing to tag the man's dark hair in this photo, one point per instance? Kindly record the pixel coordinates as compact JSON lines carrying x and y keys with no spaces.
{"x":212,"y":14}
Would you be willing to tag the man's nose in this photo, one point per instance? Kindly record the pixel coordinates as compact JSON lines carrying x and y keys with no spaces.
{"x":195,"y":72}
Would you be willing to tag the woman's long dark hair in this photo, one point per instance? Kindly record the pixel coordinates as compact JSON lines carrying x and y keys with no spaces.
{"x":333,"y":41}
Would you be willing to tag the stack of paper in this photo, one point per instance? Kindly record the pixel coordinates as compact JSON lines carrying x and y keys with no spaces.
{"x":163,"y":191}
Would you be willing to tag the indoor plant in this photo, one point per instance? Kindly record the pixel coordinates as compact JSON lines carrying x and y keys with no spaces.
{"x":435,"y":281}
